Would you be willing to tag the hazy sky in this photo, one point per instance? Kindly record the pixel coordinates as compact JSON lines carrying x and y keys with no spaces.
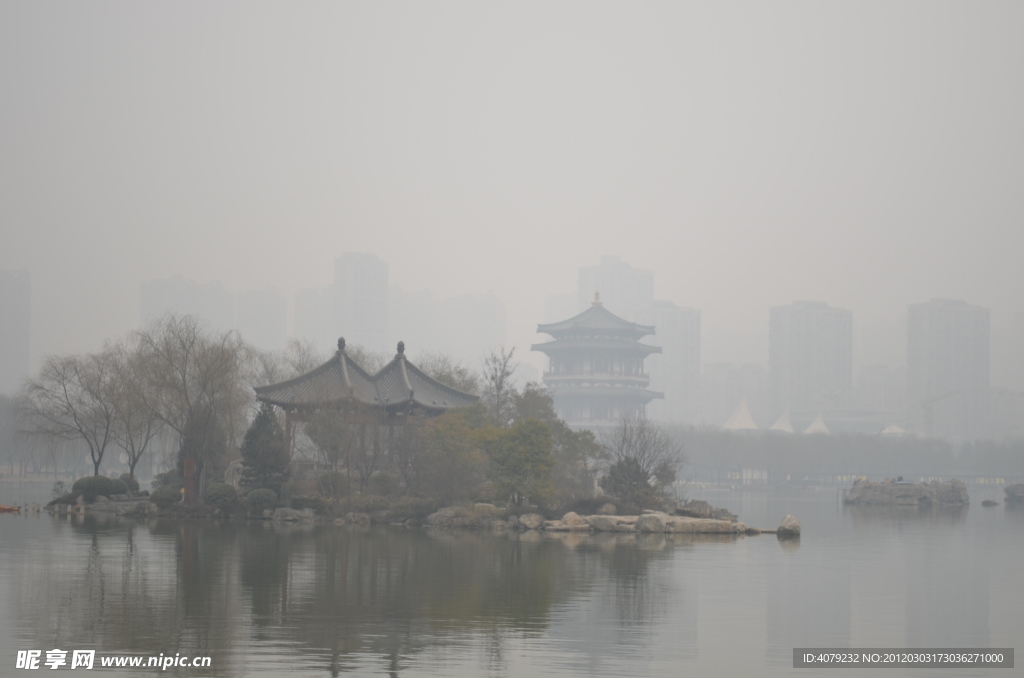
{"x":866,"y":154}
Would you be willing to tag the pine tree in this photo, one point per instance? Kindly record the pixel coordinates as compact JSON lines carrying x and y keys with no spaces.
{"x":264,"y":457}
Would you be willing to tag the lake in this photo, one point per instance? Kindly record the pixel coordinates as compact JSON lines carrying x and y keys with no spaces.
{"x":264,"y":599}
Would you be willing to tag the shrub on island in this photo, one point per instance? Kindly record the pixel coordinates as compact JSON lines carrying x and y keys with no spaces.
{"x":221,"y":494}
{"x":165,"y":497}
{"x":261,"y":499}
{"x":96,"y":486}
{"x":131,"y":483}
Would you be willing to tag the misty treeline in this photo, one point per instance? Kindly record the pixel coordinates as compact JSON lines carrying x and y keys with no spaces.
{"x":190,"y":391}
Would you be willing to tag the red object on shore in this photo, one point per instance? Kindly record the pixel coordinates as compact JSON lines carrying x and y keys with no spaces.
{"x":10,"y":509}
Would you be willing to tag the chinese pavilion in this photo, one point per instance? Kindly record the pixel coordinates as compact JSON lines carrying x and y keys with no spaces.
{"x":596,"y":375}
{"x":399,"y":394}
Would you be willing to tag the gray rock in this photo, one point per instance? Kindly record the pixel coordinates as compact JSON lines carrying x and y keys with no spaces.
{"x":292,"y":515}
{"x":608,"y":510}
{"x":1014,"y":493}
{"x":651,"y":522}
{"x":513,"y":522}
{"x":102,"y":500}
{"x":989,"y":502}
{"x":233,"y":474}
{"x":531,"y":521}
{"x":573,"y":520}
{"x":443,"y":517}
{"x":603,"y":523}
{"x":789,"y":528}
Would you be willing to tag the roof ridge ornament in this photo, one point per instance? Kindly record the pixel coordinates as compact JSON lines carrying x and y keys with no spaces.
{"x":597,"y":299}
{"x":401,"y":350}
{"x":341,"y":344}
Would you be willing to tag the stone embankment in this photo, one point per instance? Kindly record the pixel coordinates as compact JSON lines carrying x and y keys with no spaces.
{"x":953,"y":493}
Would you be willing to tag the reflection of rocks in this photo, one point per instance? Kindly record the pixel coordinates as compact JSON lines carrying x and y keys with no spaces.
{"x":1014,"y":493}
{"x":789,"y":528}
{"x":989,"y":502}
{"x":953,"y":493}
{"x":293,"y":516}
{"x":702,"y":509}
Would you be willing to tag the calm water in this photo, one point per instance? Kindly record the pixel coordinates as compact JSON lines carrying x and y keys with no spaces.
{"x":275,"y":600}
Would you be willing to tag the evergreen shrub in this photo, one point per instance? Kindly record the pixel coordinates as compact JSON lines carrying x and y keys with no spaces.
{"x":261,"y":499}
{"x":94,"y":486}
{"x":221,"y":494}
{"x":165,"y":496}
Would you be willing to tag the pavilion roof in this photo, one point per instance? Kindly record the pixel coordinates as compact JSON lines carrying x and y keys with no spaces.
{"x":613,"y":344}
{"x":596,"y":320}
{"x":341,"y":380}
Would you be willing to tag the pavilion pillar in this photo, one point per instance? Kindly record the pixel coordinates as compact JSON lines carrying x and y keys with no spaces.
{"x":288,"y":433}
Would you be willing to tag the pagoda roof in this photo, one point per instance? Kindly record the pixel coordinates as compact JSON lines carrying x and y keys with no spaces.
{"x":341,"y":380}
{"x":597,"y":320}
{"x":605,"y":392}
{"x":572,"y":343}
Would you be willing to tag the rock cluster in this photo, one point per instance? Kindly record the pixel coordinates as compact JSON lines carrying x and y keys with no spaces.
{"x":649,"y":522}
{"x":789,"y":528}
{"x":1014,"y":493}
{"x":953,"y":493}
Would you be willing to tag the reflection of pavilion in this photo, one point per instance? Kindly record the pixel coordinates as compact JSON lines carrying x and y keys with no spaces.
{"x":399,"y":394}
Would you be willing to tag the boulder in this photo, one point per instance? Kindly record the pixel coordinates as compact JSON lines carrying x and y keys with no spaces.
{"x":573,"y":520}
{"x":789,"y":528}
{"x":989,"y":503}
{"x":513,"y":522}
{"x":1014,"y":493}
{"x":531,"y":521}
{"x":233,"y":474}
{"x":442,"y":517}
{"x":603,"y":523}
{"x":292,"y":515}
{"x":555,"y":526}
{"x":651,"y":522}
{"x":608,"y":510}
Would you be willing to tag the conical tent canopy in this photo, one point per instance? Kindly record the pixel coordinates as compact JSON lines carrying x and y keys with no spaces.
{"x":783,"y":424}
{"x":817,"y":426}
{"x":741,"y":419}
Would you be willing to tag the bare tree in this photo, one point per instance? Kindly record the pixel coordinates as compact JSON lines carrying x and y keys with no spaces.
{"x":200,"y":387}
{"x":136,"y":424}
{"x":644,"y":459}
{"x":71,"y":400}
{"x":499,"y":390}
{"x":442,"y":367}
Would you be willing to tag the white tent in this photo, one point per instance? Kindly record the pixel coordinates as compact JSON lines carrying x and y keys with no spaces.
{"x":741,"y":419}
{"x":817,"y":426}
{"x":783,"y":424}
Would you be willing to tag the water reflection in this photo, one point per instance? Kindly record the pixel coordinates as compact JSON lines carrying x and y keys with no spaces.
{"x":272,"y":599}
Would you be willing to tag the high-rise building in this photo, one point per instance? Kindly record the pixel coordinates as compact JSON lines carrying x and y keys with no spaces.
{"x":261,"y":317}
{"x":15,"y":329}
{"x":676,"y":370}
{"x":948,"y":378}
{"x":314,"y":318}
{"x":361,"y":299}
{"x":810,"y":357}
{"x":628,"y":292}
{"x":623,"y":289}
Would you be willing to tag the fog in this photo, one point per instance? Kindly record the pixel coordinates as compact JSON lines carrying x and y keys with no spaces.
{"x":869,"y":155}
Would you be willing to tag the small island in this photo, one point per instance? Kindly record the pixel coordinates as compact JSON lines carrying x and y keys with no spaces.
{"x":900,"y":493}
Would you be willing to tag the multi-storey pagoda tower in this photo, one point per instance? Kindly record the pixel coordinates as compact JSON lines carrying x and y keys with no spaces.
{"x":596,"y":375}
